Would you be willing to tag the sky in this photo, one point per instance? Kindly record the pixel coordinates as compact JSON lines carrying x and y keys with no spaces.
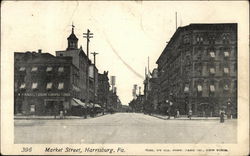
{"x":126,"y":33}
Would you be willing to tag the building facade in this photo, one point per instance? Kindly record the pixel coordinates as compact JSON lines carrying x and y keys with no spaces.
{"x":86,"y":68}
{"x":103,"y":89}
{"x":198,"y":67}
{"x":44,"y":84}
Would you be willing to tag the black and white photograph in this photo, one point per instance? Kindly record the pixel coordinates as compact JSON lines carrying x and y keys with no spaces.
{"x":125,"y":77}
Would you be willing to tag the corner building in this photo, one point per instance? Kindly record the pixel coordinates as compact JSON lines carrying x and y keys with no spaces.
{"x":199,"y":68}
{"x":44,"y":84}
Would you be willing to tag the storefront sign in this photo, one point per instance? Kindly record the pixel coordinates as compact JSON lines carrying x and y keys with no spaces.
{"x":44,"y":94}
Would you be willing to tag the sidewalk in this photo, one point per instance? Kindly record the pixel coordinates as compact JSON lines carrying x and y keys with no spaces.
{"x":184,"y":117}
{"x":35,"y":117}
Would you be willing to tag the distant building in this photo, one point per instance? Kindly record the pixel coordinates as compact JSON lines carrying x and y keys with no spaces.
{"x":103,"y":89}
{"x":199,"y":68}
{"x":44,"y":84}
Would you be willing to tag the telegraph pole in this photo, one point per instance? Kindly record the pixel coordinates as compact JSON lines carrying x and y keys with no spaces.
{"x":87,"y":35}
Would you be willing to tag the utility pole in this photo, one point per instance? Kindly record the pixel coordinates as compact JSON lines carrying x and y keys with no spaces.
{"x":94,"y":54}
{"x":87,"y":35}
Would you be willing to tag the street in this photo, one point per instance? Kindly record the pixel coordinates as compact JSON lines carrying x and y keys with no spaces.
{"x":125,"y":128}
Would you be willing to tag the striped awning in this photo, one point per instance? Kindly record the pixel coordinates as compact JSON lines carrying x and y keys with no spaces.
{"x":77,"y":102}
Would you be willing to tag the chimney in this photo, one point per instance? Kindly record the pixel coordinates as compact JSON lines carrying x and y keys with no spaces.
{"x":39,"y":50}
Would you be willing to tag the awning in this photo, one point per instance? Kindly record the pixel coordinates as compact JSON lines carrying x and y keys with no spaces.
{"x":77,"y":102}
{"x":96,"y":105}
{"x":89,"y":105}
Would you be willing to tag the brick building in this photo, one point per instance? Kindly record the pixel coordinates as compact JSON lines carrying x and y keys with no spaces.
{"x":103,"y":89}
{"x":44,"y":84}
{"x":83,"y":63}
{"x":199,"y":68}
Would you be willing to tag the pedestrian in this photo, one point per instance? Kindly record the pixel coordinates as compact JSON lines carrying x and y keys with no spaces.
{"x":177,"y":113}
{"x":168,"y":113}
{"x":222,"y":116}
{"x":61,"y":114}
{"x":190,"y":114}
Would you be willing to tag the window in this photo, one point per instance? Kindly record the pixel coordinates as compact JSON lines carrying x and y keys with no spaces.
{"x":212,"y":89}
{"x":60,"y":69}
{"x":34,"y":85}
{"x":199,"y":39}
{"x":22,"y":69}
{"x":49,"y":69}
{"x":186,"y":89}
{"x":226,"y":53}
{"x":60,"y":85}
{"x":49,"y":85}
{"x":226,"y":70}
{"x":226,"y":88}
{"x":199,"y":87}
{"x":22,"y":86}
{"x":212,"y":54}
{"x":212,"y":70}
{"x":34,"y":69}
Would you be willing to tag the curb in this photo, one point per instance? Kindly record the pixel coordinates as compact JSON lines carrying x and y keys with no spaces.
{"x":184,"y":118}
{"x":69,"y":118}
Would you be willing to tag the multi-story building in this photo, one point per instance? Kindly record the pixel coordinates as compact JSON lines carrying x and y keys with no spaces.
{"x":93,"y":83}
{"x":103,"y":89}
{"x":80,"y":60}
{"x":44,"y":84}
{"x":199,"y":68}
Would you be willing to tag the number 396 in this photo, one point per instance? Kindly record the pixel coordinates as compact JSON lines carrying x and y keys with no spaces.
{"x":27,"y":149}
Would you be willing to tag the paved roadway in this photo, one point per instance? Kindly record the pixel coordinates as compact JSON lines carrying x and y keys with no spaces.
{"x":124,"y":128}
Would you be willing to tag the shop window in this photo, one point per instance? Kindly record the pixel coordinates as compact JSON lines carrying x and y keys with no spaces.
{"x":22,"y":69}
{"x":32,"y":108}
{"x":61,"y":86}
{"x":49,"y":69}
{"x":34,"y":85}
{"x":60,"y":69}
{"x":34,"y":69}
{"x":49,"y":86}
{"x":23,"y":86}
